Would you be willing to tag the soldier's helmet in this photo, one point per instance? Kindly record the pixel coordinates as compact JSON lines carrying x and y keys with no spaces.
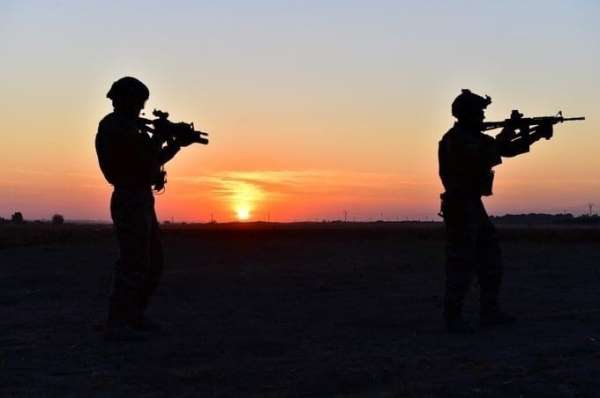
{"x":128,"y":87}
{"x":468,"y":103}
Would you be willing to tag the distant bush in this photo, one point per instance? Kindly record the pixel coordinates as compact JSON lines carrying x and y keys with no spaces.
{"x":546,"y":219}
{"x":17,"y":218}
{"x":58,"y":219}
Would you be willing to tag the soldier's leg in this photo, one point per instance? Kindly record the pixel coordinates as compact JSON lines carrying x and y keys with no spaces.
{"x":119,"y":298}
{"x":156,"y":262}
{"x":490,"y":266}
{"x":460,"y":265}
{"x":461,"y":238}
{"x":489,"y":273}
{"x":133,"y":235}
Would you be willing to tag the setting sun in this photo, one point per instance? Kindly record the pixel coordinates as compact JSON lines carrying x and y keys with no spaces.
{"x":243,"y":213}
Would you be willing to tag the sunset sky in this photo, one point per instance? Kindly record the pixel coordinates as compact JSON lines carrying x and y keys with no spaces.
{"x":313,"y":107}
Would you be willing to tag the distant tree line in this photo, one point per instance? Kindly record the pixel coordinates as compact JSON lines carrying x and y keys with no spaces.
{"x":547,"y":219}
{"x":17,"y":218}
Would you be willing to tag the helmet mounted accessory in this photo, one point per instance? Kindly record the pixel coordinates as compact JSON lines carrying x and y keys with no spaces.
{"x":467,"y":104}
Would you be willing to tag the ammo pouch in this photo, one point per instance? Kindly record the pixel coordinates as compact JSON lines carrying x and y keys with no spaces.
{"x":486,"y":183}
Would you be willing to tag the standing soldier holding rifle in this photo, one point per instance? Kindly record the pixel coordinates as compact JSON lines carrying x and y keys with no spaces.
{"x":132,"y":161}
{"x":466,"y":158}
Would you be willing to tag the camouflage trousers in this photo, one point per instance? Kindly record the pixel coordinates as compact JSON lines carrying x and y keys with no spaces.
{"x":471,"y":250}
{"x":139,"y":267}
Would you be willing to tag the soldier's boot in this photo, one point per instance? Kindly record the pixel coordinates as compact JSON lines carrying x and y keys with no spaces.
{"x":494,"y":316}
{"x":455,"y":323}
{"x":124,"y":305}
{"x":121,"y":332}
{"x":146,"y":325}
{"x":142,"y":323}
{"x":459,"y":325}
{"x":491,"y":314}
{"x":457,"y":285}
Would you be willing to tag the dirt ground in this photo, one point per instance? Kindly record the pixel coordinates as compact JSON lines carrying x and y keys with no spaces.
{"x":300,"y":311}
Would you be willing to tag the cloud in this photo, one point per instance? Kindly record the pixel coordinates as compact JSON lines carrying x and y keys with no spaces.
{"x":279,"y":184}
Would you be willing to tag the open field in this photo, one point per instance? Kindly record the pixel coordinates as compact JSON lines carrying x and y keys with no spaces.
{"x":304,"y":310}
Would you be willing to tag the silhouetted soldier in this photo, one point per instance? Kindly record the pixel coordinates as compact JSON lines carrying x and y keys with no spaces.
{"x":466,"y":159}
{"x":130,"y":160}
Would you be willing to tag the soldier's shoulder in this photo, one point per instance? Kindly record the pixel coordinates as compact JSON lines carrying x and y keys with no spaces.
{"x":448,"y":134}
{"x":108,"y":130}
{"x":458,"y":135}
{"x":113,"y":124}
{"x":107,"y":123}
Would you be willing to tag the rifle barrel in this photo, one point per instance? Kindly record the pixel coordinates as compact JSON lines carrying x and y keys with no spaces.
{"x":573,"y":118}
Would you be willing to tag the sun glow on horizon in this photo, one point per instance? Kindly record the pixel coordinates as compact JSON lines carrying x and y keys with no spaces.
{"x":244,"y":193}
{"x":243,"y":213}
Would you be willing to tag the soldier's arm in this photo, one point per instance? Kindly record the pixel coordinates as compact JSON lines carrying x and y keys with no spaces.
{"x":485,"y":152}
{"x":509,"y":149}
{"x":167,"y":152}
{"x":511,"y":145}
{"x":118,"y":147}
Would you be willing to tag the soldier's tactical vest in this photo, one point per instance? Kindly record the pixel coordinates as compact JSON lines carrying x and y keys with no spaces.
{"x":465,"y":163}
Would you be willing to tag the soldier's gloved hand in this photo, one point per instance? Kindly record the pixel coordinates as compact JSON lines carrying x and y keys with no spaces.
{"x":506,"y":134}
{"x":171,"y":142}
{"x":545,"y":131}
{"x":184,"y":141}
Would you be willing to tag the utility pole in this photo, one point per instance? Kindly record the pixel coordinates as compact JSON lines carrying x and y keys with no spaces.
{"x":345,"y":215}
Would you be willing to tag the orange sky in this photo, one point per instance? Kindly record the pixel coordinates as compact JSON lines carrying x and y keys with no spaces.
{"x":312,"y":110}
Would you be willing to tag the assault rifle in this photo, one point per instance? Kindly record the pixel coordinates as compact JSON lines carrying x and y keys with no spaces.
{"x":182,"y":133}
{"x":524,"y":125}
{"x":163,"y":130}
